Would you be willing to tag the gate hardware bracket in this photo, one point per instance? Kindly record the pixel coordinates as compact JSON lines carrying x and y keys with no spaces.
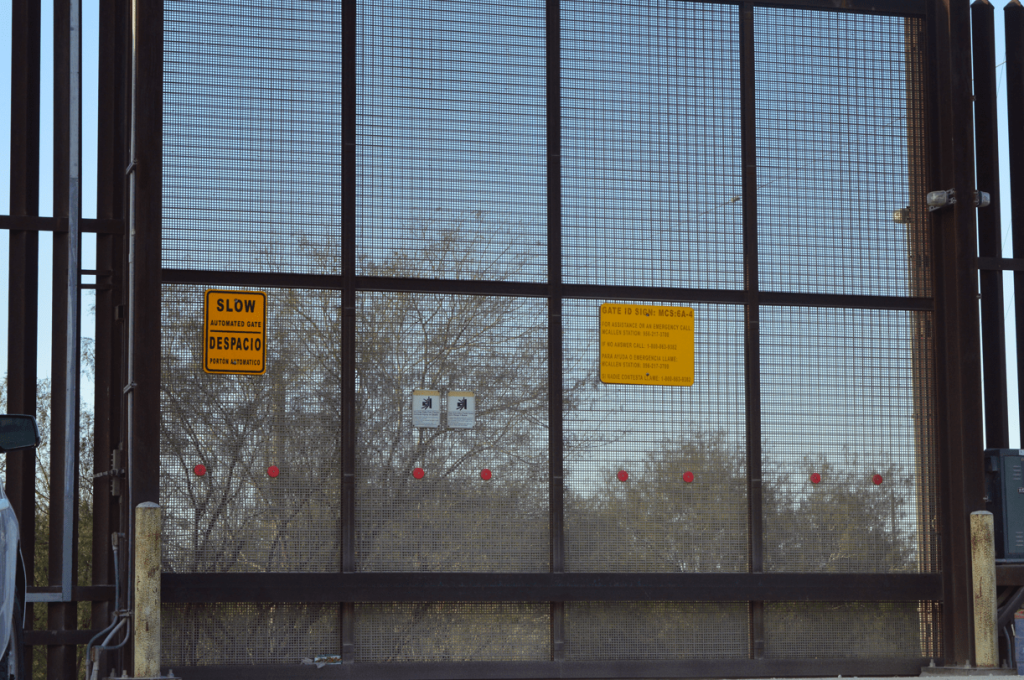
{"x":941,"y":199}
{"x":109,"y":473}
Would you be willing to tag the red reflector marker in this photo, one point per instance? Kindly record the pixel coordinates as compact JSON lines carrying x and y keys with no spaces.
{"x":273,"y":471}
{"x":623,"y":475}
{"x":200,"y":470}
{"x":815,"y":478}
{"x":877,"y":479}
{"x":687,"y":476}
{"x":485,"y":474}
{"x":418,"y":473}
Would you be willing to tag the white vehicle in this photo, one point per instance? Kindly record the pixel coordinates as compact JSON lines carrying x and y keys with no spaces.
{"x":16,"y":432}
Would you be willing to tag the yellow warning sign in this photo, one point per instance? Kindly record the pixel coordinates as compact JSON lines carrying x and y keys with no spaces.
{"x":646,"y":345}
{"x":235,"y":332}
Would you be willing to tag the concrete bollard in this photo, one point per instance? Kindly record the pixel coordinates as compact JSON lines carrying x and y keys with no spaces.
{"x":983,"y":569}
{"x":147,"y":590}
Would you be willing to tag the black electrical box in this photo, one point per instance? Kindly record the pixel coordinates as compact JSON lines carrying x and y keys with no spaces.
{"x":1004,"y":487}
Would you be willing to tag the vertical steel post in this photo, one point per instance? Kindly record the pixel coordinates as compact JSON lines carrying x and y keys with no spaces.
{"x":144,"y":258}
{"x":997,"y":429}
{"x":109,"y":258}
{"x":752,"y":311}
{"x":62,"y":615}
{"x":556,"y":444}
{"x":348,"y":322}
{"x":23,"y":266}
{"x":1013,"y":16}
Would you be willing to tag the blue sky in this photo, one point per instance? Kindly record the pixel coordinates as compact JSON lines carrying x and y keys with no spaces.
{"x":89,"y":125}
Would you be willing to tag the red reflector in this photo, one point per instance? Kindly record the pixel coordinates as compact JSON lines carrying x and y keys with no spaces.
{"x":485,"y":474}
{"x":623,"y":475}
{"x":815,"y":478}
{"x":273,"y":471}
{"x":687,"y":477}
{"x":200,"y":470}
{"x":877,"y":479}
{"x":418,"y":473}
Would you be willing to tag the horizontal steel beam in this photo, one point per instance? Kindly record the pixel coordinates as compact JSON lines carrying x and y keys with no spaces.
{"x":537,"y":290}
{"x":482,"y":670}
{"x":547,"y":587}
{"x":1010,"y":574}
{"x":60,"y":224}
{"x":78,"y":593}
{"x":1004,"y":264}
{"x":59,"y":637}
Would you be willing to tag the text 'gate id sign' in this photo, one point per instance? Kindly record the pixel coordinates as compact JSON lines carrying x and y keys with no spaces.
{"x":235,"y":332}
{"x":646,"y":345}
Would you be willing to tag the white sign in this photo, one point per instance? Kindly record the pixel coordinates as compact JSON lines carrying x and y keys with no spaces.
{"x":461,"y":410}
{"x":426,"y":408}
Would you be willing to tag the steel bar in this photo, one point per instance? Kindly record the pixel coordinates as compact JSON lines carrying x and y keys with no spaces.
{"x":1014,"y":25}
{"x":556,"y":462}
{"x":23,"y":266}
{"x":348,"y":433}
{"x":549,"y":586}
{"x":997,"y":429}
{"x":949,"y":94}
{"x":752,"y":315}
{"x":73,"y":329}
{"x":481,"y":670}
{"x":60,"y":224}
{"x":62,"y":615}
{"x":518,"y":289}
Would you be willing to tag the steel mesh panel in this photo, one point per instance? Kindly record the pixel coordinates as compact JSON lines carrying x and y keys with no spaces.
{"x":839,"y":147}
{"x":850,"y":630}
{"x":655,"y":521}
{"x":247,"y":633}
{"x":452,"y":138}
{"x":236,"y":517}
{"x":647,"y":631}
{"x":651,"y":168}
{"x":453,"y":631}
{"x":252,"y":135}
{"x":847,"y":395}
{"x":451,"y":519}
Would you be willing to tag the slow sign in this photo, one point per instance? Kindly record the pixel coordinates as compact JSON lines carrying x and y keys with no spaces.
{"x":647,"y":345}
{"x":235,"y":332}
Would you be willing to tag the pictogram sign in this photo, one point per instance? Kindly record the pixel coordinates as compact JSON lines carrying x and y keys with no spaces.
{"x":235,"y":332}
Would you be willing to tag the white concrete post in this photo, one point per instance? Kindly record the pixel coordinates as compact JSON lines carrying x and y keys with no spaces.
{"x":983,"y":568}
{"x":147,"y":590}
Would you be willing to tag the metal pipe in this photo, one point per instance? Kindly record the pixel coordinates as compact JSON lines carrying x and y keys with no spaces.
{"x":983,"y":571}
{"x":71,"y":410}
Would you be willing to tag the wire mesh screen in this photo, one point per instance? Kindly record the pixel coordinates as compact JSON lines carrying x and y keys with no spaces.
{"x":839,"y":139}
{"x":252,"y":134}
{"x":659,"y":519}
{"x":651,"y":143}
{"x":850,"y":630}
{"x":247,"y":633}
{"x":453,"y":631}
{"x":424,"y":501}
{"x":644,"y":631}
{"x":452,"y":138}
{"x":235,"y":516}
{"x":849,"y":454}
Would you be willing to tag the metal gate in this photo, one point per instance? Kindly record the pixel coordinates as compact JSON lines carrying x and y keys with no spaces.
{"x":437,"y":197}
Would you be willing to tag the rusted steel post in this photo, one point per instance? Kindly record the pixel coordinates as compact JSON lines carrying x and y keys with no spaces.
{"x":146,"y":612}
{"x":983,"y":563}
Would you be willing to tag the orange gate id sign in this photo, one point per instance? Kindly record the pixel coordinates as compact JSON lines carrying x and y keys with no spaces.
{"x":235,"y":332}
{"x":647,"y":345}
